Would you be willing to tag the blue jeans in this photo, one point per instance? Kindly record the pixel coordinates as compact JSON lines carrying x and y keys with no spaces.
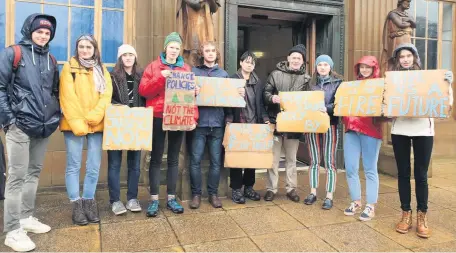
{"x":213,"y":137}
{"x":74,"y":145}
{"x":357,"y":144}
{"x":114,"y":165}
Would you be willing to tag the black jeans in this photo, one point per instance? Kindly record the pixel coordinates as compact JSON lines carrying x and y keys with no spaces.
{"x":422,"y":150}
{"x":114,"y":165}
{"x":237,"y":179}
{"x":158,"y":147}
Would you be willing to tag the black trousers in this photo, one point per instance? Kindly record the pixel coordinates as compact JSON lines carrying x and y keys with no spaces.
{"x":422,"y":151}
{"x":238,"y":179}
{"x":2,"y":171}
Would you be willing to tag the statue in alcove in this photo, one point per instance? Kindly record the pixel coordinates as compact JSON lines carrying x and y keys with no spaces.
{"x":398,"y":29}
{"x":195,"y":24}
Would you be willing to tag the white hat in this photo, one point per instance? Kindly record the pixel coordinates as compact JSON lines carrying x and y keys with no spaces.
{"x":124,"y":49}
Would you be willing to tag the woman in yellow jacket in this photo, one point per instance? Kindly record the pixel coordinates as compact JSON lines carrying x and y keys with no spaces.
{"x":85,"y":92}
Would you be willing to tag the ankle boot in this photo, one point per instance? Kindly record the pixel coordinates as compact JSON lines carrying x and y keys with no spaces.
{"x":91,"y":210}
{"x":78,"y":216}
{"x":422,"y":229}
{"x":405,"y":224}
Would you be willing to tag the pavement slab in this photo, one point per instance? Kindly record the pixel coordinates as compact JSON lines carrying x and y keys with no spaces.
{"x":230,"y":245}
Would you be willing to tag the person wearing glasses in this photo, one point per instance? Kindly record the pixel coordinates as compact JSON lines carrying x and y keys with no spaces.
{"x":85,"y":92}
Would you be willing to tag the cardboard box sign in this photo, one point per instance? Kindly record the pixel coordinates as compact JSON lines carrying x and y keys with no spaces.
{"x":179,"y":111}
{"x":420,"y":93}
{"x":302,"y":112}
{"x":220,"y":92}
{"x":360,"y":98}
{"x":128,"y":128}
{"x":248,"y":146}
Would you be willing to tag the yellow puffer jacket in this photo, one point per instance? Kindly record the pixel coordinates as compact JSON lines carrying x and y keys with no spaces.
{"x":83,"y":107}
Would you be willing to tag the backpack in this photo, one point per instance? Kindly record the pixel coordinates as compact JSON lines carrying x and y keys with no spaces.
{"x":16,"y":60}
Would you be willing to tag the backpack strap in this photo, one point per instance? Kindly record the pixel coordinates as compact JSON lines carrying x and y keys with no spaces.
{"x":53,"y":60}
{"x":17,"y":57}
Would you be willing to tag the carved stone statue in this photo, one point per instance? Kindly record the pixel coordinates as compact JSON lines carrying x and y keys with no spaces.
{"x":398,"y":29}
{"x":195,"y":24}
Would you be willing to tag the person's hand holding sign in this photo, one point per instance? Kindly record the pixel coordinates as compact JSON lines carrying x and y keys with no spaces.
{"x":276,"y":99}
{"x":197,"y":90}
{"x":323,"y":109}
{"x":166,"y":73}
{"x":241,"y":91}
{"x":449,"y":79}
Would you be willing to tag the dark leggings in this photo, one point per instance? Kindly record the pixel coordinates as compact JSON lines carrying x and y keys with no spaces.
{"x":158,"y":147}
{"x":422,"y":150}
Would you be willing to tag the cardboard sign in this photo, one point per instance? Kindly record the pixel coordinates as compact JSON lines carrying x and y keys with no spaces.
{"x":220,"y":92}
{"x":248,"y":146}
{"x":179,"y":111}
{"x":127,"y":128}
{"x":302,"y":112}
{"x":421,"y":93}
{"x":360,"y":98}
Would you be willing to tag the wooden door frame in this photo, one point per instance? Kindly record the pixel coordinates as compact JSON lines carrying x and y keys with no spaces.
{"x":334,"y":8}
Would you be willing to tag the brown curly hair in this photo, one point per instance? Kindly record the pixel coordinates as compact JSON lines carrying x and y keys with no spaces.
{"x":200,"y":53}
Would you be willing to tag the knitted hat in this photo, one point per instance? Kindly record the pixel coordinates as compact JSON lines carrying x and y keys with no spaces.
{"x":125,"y":49}
{"x":42,"y":23}
{"x":300,"y":48}
{"x":172,"y":37}
{"x":324,"y":58}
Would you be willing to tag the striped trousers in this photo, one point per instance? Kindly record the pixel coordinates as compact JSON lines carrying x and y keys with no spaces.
{"x":326,"y":143}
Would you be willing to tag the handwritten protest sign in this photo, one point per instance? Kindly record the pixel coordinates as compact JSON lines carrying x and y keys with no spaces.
{"x":127,"y":128}
{"x":220,"y":92}
{"x":302,"y":112}
{"x":248,"y":146}
{"x":179,"y":111}
{"x":421,"y":93}
{"x":360,"y":98}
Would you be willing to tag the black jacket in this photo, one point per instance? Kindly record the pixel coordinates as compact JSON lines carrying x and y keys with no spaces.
{"x":329,"y":86}
{"x":120,"y":90}
{"x":234,"y":114}
{"x":34,"y":105}
{"x":284,"y":79}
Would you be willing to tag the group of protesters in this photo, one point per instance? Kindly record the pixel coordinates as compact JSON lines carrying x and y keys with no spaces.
{"x":35,"y":100}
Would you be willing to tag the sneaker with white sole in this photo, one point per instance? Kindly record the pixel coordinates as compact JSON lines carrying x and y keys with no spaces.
{"x":18,"y":240}
{"x":367,"y":214}
{"x":352,"y":209}
{"x":32,"y":225}
{"x":118,"y":208}
{"x":133,"y":205}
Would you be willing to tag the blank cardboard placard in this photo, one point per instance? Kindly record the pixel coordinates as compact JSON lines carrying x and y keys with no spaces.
{"x":302,"y":112}
{"x":419,"y":93}
{"x":128,"y":128}
{"x":248,"y":146}
{"x":360,"y":98}
{"x":179,"y":111}
{"x":220,"y":92}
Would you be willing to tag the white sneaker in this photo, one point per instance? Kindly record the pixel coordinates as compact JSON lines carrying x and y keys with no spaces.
{"x":19,"y":241}
{"x":133,"y":205}
{"x":31,"y":224}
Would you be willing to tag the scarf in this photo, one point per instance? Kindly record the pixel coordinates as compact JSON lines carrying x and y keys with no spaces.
{"x":98,"y":77}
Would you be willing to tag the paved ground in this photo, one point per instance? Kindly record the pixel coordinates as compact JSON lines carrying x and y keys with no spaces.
{"x":256,"y":226}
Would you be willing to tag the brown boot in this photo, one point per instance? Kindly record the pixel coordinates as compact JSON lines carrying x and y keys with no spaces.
{"x":422,"y":229}
{"x":196,"y":201}
{"x":406,"y":222}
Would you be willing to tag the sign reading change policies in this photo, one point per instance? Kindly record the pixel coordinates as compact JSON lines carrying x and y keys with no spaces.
{"x":421,"y":93}
{"x":179,"y":111}
{"x":127,"y":128}
{"x":302,"y":112}
{"x":248,"y":146}
{"x":360,"y":98}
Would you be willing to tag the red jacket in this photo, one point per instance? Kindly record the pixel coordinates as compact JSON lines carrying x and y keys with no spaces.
{"x":152,"y":86}
{"x":366,"y":125}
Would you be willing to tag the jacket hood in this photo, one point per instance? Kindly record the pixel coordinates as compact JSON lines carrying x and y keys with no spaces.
{"x":284,"y":67}
{"x":370,"y":61}
{"x":26,"y":27}
{"x":408,"y":46}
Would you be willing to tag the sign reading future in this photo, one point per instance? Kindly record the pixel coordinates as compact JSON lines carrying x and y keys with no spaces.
{"x":420,"y":93}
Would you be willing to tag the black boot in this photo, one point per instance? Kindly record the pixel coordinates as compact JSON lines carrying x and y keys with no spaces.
{"x":91,"y":210}
{"x":78,"y":216}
